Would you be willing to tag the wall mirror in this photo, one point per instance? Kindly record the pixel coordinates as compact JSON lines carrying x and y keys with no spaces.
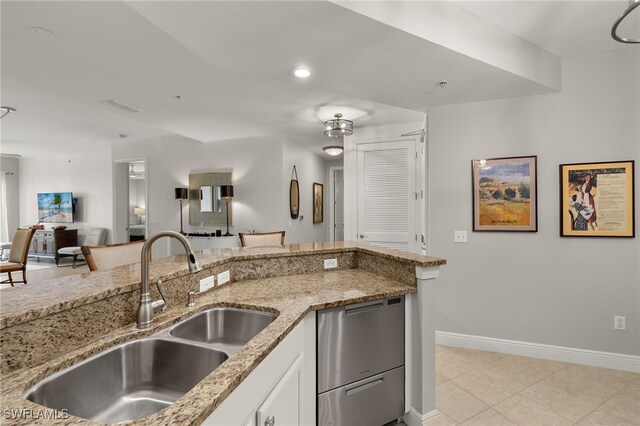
{"x":210,"y":199}
{"x":206,"y":206}
{"x":294,"y":195}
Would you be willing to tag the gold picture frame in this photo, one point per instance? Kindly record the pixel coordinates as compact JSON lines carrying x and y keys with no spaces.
{"x":597,"y":199}
{"x":318,"y":202}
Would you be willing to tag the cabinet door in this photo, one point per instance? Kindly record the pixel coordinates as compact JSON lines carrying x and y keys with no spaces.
{"x":283,"y":405}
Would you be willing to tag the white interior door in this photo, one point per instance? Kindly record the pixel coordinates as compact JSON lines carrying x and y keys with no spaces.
{"x":338,"y":205}
{"x":121,"y":202}
{"x":387,"y":197}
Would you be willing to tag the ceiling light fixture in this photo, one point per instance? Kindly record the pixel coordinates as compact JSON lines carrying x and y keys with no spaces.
{"x":614,"y":30}
{"x":6,"y":110}
{"x":302,"y":72}
{"x":338,"y":126}
{"x":333,"y":150}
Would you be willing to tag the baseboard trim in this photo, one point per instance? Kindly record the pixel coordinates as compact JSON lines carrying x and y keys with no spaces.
{"x":536,"y":350}
{"x":414,"y":418}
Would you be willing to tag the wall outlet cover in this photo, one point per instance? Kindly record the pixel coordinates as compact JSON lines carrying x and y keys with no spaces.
{"x":459,"y":236}
{"x":619,"y":323}
{"x":224,"y":277}
{"x":330,"y":263}
{"x":207,"y":283}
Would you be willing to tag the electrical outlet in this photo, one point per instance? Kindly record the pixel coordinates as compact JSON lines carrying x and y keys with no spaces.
{"x":330,"y":263}
{"x":619,"y":323}
{"x":459,"y":236}
{"x":223,"y":277}
{"x":207,"y":283}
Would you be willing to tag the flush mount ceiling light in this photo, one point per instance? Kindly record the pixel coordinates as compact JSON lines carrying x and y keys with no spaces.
{"x":6,"y":110}
{"x":614,"y":30}
{"x":338,"y":126}
{"x":333,"y":150}
{"x":301,"y":72}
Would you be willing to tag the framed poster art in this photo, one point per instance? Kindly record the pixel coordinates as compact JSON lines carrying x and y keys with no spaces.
{"x":318,"y":202}
{"x":505,"y":194}
{"x":597,"y":199}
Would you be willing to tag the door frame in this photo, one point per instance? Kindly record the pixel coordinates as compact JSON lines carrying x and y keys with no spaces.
{"x":332,"y":192}
{"x":381,"y":134}
{"x":146,"y":190}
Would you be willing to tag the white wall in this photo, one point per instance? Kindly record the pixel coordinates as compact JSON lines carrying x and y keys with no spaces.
{"x":260,"y":200}
{"x":88,"y":176}
{"x":538,"y":287}
{"x":13,"y":192}
{"x":310,"y":168}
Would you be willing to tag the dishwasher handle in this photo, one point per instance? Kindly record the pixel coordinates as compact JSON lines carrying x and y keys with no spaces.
{"x":364,"y":386}
{"x":362,"y":309}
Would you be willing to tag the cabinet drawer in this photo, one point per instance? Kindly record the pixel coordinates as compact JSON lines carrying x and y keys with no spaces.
{"x":375,"y":400}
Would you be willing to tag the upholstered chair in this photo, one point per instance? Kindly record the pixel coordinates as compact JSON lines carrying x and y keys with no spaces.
{"x":94,"y":237}
{"x":264,"y":239}
{"x":18,"y":255}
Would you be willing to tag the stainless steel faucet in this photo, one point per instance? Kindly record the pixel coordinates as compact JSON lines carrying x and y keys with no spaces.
{"x":146,"y":307}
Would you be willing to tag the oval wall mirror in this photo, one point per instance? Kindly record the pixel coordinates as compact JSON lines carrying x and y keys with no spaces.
{"x":294,"y":195}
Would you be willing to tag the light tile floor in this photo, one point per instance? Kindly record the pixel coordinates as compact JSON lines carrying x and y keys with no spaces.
{"x":487,"y":389}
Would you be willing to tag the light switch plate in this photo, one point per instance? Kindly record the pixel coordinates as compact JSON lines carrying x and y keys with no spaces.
{"x":224,"y":277}
{"x":207,"y":283}
{"x":330,"y":263}
{"x":459,"y":236}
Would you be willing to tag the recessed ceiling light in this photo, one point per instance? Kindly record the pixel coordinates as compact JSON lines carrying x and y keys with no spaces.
{"x":42,"y":32}
{"x":302,"y":72}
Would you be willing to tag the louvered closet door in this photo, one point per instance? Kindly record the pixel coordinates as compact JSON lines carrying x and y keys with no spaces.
{"x":386,"y":194}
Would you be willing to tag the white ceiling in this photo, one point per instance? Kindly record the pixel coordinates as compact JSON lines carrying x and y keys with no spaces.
{"x":564,"y":28}
{"x":230,"y":63}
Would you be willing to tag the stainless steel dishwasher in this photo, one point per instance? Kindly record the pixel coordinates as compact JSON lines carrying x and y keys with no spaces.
{"x":360,"y":374}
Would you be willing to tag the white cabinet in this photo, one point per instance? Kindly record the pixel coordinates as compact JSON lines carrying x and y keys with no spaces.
{"x":283,"y":405}
{"x":282,"y":387}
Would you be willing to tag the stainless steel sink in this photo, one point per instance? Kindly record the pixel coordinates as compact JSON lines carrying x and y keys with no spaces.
{"x":226,"y":328}
{"x":129,"y":382}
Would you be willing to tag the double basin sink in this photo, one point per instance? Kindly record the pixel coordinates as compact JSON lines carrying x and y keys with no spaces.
{"x":138,"y":378}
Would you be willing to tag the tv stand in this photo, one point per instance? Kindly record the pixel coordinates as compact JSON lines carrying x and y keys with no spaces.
{"x":45,"y":244}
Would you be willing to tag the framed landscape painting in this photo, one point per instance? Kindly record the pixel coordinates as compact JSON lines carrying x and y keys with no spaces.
{"x":597,"y":199}
{"x":505,"y":195}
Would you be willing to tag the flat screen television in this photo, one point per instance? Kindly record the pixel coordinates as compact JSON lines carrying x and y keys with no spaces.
{"x":55,"y":207}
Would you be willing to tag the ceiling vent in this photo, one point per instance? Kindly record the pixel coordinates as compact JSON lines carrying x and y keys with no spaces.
{"x":120,"y":105}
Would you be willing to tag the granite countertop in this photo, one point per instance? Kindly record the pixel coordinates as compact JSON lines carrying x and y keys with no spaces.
{"x":24,"y":303}
{"x":292,"y":297}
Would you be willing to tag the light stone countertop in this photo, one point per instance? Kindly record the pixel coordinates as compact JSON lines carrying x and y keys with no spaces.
{"x":372,"y":273}
{"x":292,"y":297}
{"x":27,"y":302}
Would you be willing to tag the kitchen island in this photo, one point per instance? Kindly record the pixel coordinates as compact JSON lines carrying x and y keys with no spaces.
{"x":62,"y":322}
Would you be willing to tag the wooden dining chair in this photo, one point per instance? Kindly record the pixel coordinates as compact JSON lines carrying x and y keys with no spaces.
{"x":262,"y":239}
{"x":18,"y":255}
{"x":111,"y":255}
